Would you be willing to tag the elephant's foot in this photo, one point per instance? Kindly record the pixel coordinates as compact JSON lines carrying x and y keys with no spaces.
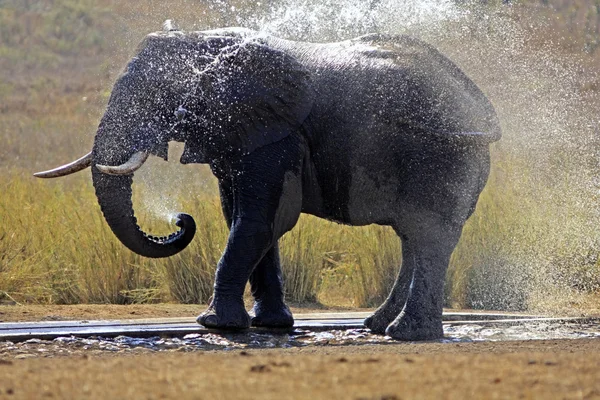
{"x":225,"y":313}
{"x":421,"y":327}
{"x":381,"y":318}
{"x":272,"y":316}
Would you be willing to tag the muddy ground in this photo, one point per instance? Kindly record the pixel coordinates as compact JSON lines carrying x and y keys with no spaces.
{"x":524,"y":369}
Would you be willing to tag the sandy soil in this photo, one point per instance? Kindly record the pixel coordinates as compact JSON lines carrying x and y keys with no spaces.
{"x":541,"y":369}
{"x":22,"y":313}
{"x":528,"y":369}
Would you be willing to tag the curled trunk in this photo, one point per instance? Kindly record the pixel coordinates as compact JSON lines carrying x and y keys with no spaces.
{"x":114,"y":197}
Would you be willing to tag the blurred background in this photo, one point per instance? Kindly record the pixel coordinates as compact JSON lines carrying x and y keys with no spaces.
{"x":533,"y":243}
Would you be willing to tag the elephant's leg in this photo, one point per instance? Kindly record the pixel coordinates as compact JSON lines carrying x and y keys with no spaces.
{"x":210,"y":317}
{"x":266,"y":280}
{"x":426,"y":252}
{"x":266,"y":283}
{"x":245,"y":248}
{"x":393,"y":305}
{"x":266,"y":203}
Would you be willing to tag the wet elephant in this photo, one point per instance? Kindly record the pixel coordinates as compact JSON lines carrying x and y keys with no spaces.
{"x":375,"y":130}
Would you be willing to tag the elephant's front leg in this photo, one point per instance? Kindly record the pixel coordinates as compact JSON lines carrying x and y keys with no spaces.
{"x":266,"y":283}
{"x":247,"y":244}
{"x":266,"y":196}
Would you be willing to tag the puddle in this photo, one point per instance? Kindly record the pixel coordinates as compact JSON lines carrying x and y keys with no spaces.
{"x":299,"y":338}
{"x":534,"y":330}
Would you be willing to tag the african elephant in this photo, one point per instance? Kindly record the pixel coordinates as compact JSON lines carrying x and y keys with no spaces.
{"x":374,"y":130}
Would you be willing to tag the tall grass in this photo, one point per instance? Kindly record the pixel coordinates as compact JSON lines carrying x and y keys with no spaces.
{"x":338,"y":264}
{"x":56,"y":248}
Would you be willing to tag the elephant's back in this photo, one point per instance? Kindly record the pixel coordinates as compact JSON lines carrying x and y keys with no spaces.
{"x":443,"y":98}
{"x":384,"y":79}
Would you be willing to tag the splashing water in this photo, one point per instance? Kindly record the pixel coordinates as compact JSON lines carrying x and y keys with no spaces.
{"x":337,"y":19}
{"x":160,"y":195}
{"x":159,"y":185}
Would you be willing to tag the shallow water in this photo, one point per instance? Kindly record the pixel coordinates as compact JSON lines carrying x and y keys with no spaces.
{"x":455,"y":333}
{"x":538,"y":330}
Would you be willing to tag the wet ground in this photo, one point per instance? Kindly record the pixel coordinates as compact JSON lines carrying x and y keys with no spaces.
{"x":454,"y":333}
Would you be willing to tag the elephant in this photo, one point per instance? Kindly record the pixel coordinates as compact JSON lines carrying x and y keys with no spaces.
{"x":380,"y":129}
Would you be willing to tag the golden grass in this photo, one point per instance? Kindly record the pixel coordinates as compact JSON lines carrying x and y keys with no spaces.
{"x":56,"y":248}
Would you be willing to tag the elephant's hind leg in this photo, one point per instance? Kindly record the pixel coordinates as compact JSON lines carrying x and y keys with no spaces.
{"x":392,"y":306}
{"x":266,"y":283}
{"x":426,"y":252}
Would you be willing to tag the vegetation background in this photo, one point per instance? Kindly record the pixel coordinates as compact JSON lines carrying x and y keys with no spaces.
{"x":533,"y":243}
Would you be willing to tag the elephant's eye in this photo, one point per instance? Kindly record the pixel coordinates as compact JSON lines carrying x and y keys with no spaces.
{"x":180,"y":113}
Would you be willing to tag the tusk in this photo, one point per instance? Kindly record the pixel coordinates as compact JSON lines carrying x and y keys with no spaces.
{"x":67,"y":169}
{"x":134,"y":163}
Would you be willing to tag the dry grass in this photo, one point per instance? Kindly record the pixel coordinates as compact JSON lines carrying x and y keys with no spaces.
{"x":526,"y":239}
{"x":67,"y":254}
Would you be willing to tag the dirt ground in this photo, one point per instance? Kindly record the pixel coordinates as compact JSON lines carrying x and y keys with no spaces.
{"x":540,"y":370}
{"x":23,"y":313}
{"x":558,"y":369}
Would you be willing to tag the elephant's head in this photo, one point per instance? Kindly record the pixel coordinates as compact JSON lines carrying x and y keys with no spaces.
{"x":222,"y":93}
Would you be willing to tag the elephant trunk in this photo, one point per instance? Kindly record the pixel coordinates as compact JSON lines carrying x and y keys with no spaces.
{"x":114,"y":196}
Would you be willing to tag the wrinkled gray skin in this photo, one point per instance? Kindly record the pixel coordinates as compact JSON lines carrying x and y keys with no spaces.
{"x":375,"y":130}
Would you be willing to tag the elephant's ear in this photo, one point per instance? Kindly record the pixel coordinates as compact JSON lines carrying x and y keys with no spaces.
{"x":258,"y":96}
